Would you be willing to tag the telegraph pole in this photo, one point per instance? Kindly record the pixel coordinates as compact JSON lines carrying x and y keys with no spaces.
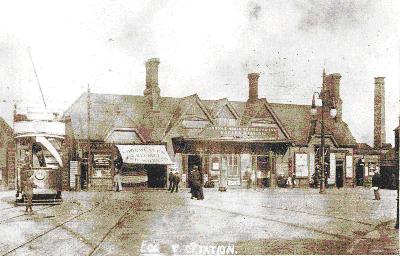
{"x":89,"y":155}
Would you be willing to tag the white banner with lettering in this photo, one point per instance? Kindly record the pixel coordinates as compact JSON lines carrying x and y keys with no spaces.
{"x":144,"y":154}
{"x":349,"y":166}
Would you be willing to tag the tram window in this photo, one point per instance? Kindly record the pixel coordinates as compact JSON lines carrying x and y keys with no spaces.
{"x":38,"y":156}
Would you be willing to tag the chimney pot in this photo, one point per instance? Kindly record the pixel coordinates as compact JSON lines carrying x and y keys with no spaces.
{"x":152,"y":72}
{"x":253,"y":86}
{"x":380,"y":80}
{"x":152,"y":91}
{"x":379,"y":112}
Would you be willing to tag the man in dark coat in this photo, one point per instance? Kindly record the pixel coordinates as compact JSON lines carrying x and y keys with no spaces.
{"x":376,"y":183}
{"x":171,"y":180}
{"x":175,"y":182}
{"x":197,"y":183}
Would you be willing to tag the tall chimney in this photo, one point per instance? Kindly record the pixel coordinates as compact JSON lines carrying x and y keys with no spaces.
{"x":253,"y":86}
{"x":331,"y":86}
{"x":379,"y":113}
{"x":152,"y":91}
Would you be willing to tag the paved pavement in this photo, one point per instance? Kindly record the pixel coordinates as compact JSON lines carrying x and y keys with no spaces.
{"x":239,"y":221}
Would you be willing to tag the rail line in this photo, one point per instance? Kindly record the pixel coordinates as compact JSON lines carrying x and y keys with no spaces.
{"x":51,"y":229}
{"x":314,"y":214}
{"x":339,"y":236}
{"x":24,"y":214}
{"x":96,"y":247}
{"x":7,"y":208}
{"x":319,"y":214}
{"x":118,"y":222}
{"x":280,"y":221}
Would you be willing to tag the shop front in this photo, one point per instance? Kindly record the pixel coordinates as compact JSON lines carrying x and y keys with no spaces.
{"x":144,"y":165}
{"x":247,"y":158}
{"x":139,"y":165}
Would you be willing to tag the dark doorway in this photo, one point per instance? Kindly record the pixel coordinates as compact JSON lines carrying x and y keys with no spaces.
{"x":157,"y":175}
{"x":339,"y":174}
{"x":360,"y":173}
{"x":194,"y":160}
{"x":84,"y":174}
{"x":388,"y":177}
{"x":263,"y":166}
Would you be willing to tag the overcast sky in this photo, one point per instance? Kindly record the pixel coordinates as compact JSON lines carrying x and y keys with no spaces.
{"x":205,"y":47}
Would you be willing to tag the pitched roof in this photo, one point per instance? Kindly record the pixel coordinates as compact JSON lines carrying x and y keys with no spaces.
{"x":363,"y":146}
{"x":297,"y":120}
{"x":116,"y":111}
{"x":121,"y":111}
{"x":5,"y":126}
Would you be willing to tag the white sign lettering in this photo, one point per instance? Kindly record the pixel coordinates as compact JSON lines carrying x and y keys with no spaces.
{"x":144,"y":154}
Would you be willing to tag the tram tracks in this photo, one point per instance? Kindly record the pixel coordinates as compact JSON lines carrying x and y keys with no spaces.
{"x":311,"y":213}
{"x":292,"y":224}
{"x":318,"y":214}
{"x":133,"y":205}
{"x":295,"y":225}
{"x":103,"y":238}
{"x":51,"y":229}
{"x":23,"y":214}
{"x":7,"y":208}
{"x":94,"y":246}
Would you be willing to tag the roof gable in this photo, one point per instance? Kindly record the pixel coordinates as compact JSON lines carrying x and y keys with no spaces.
{"x":112,"y":111}
{"x":260,"y":113}
{"x":124,"y":136}
{"x":196,"y":109}
{"x":226,"y":112}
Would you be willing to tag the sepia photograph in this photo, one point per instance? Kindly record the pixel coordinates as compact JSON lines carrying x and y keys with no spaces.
{"x":199,"y":127}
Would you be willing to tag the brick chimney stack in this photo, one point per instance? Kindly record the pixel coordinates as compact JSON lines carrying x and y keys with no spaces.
{"x":253,"y":86}
{"x":331,"y":88}
{"x":379,"y":113}
{"x":152,"y":91}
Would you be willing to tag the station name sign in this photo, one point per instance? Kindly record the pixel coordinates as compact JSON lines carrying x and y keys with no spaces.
{"x":265,"y":133}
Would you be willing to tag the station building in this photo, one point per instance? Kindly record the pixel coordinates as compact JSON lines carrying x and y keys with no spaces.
{"x":145,"y":136}
{"x":6,"y":155}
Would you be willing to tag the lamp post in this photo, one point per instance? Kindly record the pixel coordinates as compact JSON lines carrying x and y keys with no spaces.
{"x":332,"y":113}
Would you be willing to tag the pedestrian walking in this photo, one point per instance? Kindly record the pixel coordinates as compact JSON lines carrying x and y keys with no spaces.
{"x":249,"y":181}
{"x":171,"y":180}
{"x":376,"y":183}
{"x":197,"y":184}
{"x":28,"y":191}
{"x":294,"y":183}
{"x":118,"y":182}
{"x":175,"y":182}
{"x":189,"y":180}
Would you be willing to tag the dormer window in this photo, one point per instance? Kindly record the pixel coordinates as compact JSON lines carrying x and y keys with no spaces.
{"x":223,"y":121}
{"x":194,"y":123}
{"x":225,"y":116}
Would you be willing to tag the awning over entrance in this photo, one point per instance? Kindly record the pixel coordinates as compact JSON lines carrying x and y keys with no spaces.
{"x":144,"y":154}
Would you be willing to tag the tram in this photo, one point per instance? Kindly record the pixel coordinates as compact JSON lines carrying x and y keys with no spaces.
{"x":38,"y":143}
